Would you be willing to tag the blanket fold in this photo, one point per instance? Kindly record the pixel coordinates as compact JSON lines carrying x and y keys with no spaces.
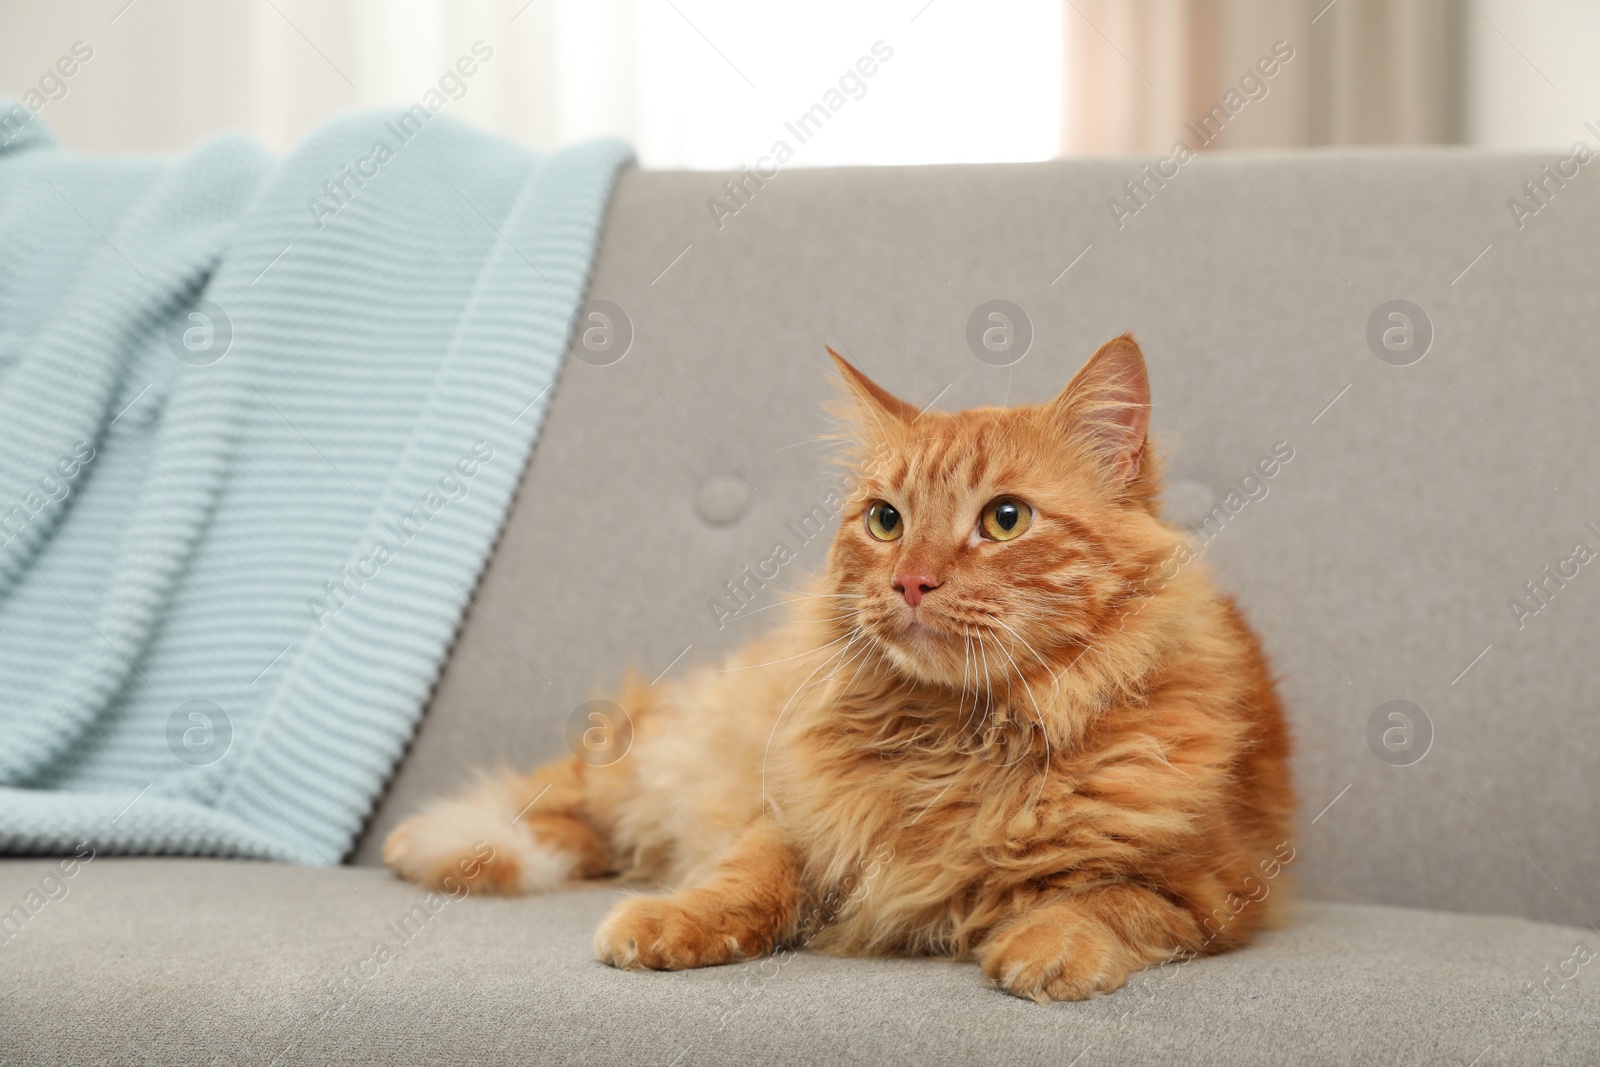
{"x":260,"y":424}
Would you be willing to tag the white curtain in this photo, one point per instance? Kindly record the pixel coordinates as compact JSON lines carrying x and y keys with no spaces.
{"x":691,"y":83}
{"x":165,"y":73}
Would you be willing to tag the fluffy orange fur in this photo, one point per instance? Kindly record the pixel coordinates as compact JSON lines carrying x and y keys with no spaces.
{"x":1065,"y":757}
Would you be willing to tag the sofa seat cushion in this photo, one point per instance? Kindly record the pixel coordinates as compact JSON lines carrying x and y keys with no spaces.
{"x":216,"y":961}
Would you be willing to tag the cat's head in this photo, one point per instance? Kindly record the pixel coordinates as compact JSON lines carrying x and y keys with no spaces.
{"x":1016,"y":534}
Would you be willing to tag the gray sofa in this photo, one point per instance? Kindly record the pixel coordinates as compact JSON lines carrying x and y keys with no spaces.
{"x":1447,"y":868}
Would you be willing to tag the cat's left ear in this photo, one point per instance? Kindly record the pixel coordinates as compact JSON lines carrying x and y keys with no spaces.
{"x":873,"y":400}
{"x":1108,"y":401}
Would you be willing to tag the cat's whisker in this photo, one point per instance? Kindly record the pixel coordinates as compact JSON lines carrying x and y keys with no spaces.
{"x":808,"y":441}
{"x":978,"y":691}
{"x":786,"y":659}
{"x":988,"y":679}
{"x":802,"y":593}
{"x":977,"y":686}
{"x":858,"y":657}
{"x":966,"y":648}
{"x":1042,"y":661}
{"x":779,"y":604}
{"x":839,"y":617}
{"x":1008,"y":674}
{"x":870,"y":649}
{"x":827,"y":679}
{"x":988,"y":689}
{"x":767,"y":751}
{"x":1043,"y":728}
{"x":1021,"y":677}
{"x":828,"y":618}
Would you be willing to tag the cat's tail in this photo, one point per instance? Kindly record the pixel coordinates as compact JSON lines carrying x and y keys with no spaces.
{"x":510,"y":833}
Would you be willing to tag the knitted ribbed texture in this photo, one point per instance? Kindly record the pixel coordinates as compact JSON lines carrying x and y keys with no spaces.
{"x":288,"y":533}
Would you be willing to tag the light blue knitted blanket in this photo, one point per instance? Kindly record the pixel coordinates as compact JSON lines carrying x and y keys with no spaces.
{"x":260,"y":425}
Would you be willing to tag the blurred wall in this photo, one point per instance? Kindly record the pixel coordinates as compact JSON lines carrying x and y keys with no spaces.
{"x":1536,"y":80}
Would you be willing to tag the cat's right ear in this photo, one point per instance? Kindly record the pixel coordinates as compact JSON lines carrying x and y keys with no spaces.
{"x":873,"y":402}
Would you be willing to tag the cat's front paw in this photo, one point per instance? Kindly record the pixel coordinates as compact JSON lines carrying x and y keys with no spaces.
{"x":668,"y":934}
{"x":1051,"y":956}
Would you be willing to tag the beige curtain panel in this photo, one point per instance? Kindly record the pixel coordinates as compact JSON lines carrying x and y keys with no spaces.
{"x":1144,"y":75}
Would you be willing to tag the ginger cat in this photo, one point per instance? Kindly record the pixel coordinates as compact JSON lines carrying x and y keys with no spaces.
{"x":1014,"y":719}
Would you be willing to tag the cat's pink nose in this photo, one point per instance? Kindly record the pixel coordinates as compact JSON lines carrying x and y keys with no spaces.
{"x":914,"y":586}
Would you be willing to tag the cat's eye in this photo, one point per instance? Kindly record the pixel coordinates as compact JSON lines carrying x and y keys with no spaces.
{"x":1005,"y":518}
{"x":884,"y":522}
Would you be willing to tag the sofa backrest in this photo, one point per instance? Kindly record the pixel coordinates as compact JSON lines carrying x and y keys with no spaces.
{"x":1416,"y":328}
